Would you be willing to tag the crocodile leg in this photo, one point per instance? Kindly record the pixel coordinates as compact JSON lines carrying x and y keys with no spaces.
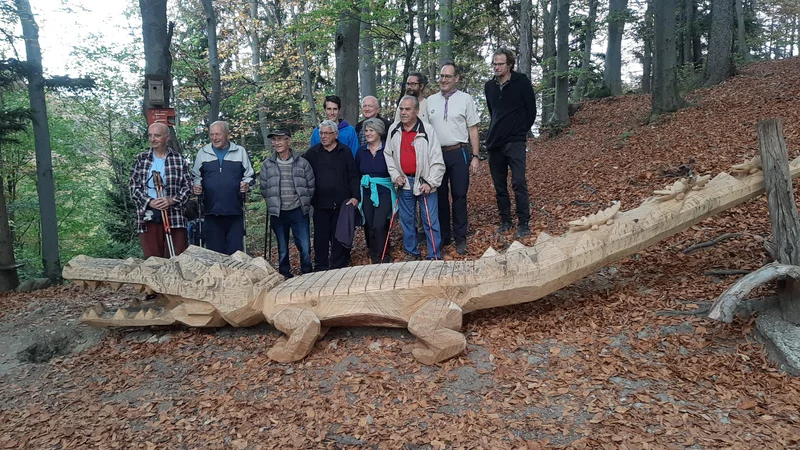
{"x":436,"y":326}
{"x":302,"y":330}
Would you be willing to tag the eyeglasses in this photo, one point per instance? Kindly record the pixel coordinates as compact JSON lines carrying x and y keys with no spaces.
{"x":444,"y":76}
{"x":413,"y":84}
{"x":327,"y":133}
{"x":499,"y":64}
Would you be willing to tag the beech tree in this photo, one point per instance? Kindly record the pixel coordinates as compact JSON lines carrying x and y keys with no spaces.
{"x":665,"y":97}
{"x":719,"y":64}
{"x":51,"y":260}
{"x":157,"y":36}
{"x":346,"y":47}
{"x":525,"y":38}
{"x":213,"y":60}
{"x":445,"y":31}
{"x":561,"y":110}
{"x":586,"y":62}
{"x":612,"y":76}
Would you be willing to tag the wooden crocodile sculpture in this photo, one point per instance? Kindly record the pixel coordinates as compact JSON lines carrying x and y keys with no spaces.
{"x":205,"y":289}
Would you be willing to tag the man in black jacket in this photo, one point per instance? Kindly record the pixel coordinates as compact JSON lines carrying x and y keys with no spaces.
{"x":512,"y":108}
{"x":337,"y":184}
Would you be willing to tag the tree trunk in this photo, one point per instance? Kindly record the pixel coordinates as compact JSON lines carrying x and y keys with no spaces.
{"x":688,"y":31}
{"x":156,"y":37}
{"x":41,"y":138}
{"x":647,"y":59}
{"x":433,"y":64}
{"x":347,"y":63}
{"x":612,"y":76}
{"x":408,"y":46}
{"x":783,"y":214}
{"x":561,"y":113}
{"x":255,"y":61}
{"x":665,"y":96}
{"x":586,"y":63}
{"x":213,"y":60}
{"x":445,"y":31}
{"x":8,"y":265}
{"x":366,"y":52}
{"x":548,"y":59}
{"x":719,"y":64}
{"x":525,"y":38}
{"x":741,"y":41}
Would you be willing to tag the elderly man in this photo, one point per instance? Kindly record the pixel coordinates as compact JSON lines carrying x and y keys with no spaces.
{"x":222,"y":173}
{"x":512,"y":108}
{"x":453,"y":115}
{"x":369,"y":109}
{"x":415,"y":87}
{"x":414,"y":159}
{"x":337,"y":184}
{"x":174,"y":171}
{"x":346,"y":133}
{"x":287,"y":184}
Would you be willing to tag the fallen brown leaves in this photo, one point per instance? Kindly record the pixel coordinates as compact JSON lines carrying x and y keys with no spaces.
{"x":591,"y":366}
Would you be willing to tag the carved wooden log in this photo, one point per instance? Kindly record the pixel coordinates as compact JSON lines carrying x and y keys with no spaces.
{"x":782,"y":211}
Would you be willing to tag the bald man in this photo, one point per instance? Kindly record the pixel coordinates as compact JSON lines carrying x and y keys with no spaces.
{"x":177,"y":180}
{"x":369,"y":109}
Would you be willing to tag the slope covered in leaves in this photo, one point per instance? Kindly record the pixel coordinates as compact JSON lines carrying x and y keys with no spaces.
{"x":591,"y":366}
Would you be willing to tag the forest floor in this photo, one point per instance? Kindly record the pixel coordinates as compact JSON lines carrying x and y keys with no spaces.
{"x":595,"y":365}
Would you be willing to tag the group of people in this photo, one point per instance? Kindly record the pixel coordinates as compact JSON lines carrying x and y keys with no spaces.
{"x":416,"y":168}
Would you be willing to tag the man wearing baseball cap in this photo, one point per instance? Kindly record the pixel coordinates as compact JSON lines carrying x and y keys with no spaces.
{"x":287,"y":184}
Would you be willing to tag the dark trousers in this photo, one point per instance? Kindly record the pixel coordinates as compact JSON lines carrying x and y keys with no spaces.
{"x":328,"y":252}
{"x":456,"y":184}
{"x":154,"y":241}
{"x":376,"y":226}
{"x":223,"y":234}
{"x":510,"y":155}
{"x":296,"y":221}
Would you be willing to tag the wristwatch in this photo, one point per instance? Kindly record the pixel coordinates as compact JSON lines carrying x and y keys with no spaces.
{"x":475,"y":156}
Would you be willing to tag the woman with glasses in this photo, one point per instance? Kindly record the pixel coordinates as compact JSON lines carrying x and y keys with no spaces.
{"x":377,"y":191}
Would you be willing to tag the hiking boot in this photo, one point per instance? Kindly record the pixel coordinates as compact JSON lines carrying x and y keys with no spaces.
{"x":446,"y":242}
{"x":461,"y":247}
{"x":412,"y":257}
{"x":523,"y":230}
{"x":505,"y":226}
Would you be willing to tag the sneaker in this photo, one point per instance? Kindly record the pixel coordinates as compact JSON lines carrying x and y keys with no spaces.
{"x":461,"y":247}
{"x":412,"y":257}
{"x":523,"y":230}
{"x":505,"y":226}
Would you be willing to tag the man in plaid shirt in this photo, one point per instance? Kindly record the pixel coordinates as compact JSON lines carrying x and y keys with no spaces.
{"x":177,"y":186}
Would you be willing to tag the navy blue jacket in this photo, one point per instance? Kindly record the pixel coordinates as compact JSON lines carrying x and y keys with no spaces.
{"x":221,"y":194}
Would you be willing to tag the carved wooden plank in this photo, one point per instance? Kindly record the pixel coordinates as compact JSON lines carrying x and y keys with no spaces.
{"x":333,"y":282}
{"x":315,"y":290}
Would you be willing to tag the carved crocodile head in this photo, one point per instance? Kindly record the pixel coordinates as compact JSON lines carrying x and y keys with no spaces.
{"x":198,"y":288}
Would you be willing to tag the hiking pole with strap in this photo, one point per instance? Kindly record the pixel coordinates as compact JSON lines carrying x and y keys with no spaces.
{"x":159,"y":185}
{"x":430,"y":225}
{"x":389,"y":232}
{"x":244,"y":221}
{"x":267,"y":241}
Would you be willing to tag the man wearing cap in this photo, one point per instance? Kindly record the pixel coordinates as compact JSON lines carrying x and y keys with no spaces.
{"x":453,"y":115}
{"x":222,"y":173}
{"x":287,"y":184}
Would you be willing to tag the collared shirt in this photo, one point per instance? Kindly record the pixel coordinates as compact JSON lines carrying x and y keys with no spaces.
{"x":177,"y":184}
{"x":408,"y":154}
{"x":461,"y":115}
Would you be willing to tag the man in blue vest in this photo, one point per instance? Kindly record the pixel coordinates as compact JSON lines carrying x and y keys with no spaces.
{"x":222,"y":173}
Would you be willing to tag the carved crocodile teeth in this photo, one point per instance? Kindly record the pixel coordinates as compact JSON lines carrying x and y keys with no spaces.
{"x":114,"y":285}
{"x":489,"y":253}
{"x":515,"y":247}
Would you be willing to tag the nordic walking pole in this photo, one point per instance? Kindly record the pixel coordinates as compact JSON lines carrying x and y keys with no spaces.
{"x":389,"y":232}
{"x":268,"y":241}
{"x":430,"y":226}
{"x":244,"y":221}
{"x":159,"y":185}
